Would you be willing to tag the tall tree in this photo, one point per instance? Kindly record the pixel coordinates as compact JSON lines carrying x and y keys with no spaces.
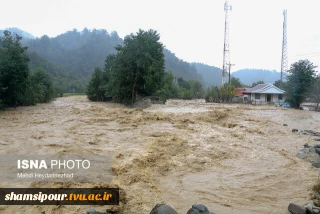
{"x":315,"y":93}
{"x":299,"y":81}
{"x":39,"y":88}
{"x":96,"y":87}
{"x":280,"y":84}
{"x":2,"y":89}
{"x":236,"y":82}
{"x":14,"y":69}
{"x":168,"y":88}
{"x":138,"y":66}
{"x":183,"y":83}
{"x":42,"y":80}
{"x":196,"y":88}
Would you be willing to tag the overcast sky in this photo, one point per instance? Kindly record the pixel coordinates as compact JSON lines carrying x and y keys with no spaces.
{"x":191,"y":29}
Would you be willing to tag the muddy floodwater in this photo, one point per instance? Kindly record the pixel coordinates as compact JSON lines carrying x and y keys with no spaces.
{"x":232,"y":158}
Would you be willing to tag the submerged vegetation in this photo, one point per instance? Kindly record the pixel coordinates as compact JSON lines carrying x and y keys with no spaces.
{"x":222,"y":94}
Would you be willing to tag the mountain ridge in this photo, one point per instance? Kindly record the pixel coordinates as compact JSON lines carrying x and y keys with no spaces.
{"x":249,"y":76}
{"x":79,"y":52}
{"x":18,"y":31}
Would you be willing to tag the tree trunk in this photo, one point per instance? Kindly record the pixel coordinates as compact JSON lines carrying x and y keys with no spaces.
{"x":133,"y":96}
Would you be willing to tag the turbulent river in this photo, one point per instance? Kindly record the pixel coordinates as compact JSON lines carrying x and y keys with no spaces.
{"x":232,"y":158}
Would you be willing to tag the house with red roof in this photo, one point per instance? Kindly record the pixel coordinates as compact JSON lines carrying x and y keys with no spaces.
{"x":239,"y":92}
{"x":265,"y":93}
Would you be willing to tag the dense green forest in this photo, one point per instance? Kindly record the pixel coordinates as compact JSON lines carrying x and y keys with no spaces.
{"x":76,"y":52}
{"x":137,"y":70}
{"x":62,"y":80}
{"x":180,"y":68}
{"x":71,"y":58}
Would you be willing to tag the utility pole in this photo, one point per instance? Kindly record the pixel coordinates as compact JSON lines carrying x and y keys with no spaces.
{"x":284,"y":58}
{"x":229,"y":64}
{"x":226,"y":48}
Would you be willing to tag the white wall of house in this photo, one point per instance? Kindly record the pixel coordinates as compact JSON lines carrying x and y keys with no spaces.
{"x":275,"y":98}
{"x":263,"y":98}
{"x":282,"y":100}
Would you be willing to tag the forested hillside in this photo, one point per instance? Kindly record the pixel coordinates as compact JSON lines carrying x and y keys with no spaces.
{"x":62,"y":80}
{"x":71,"y":57}
{"x":180,"y":68}
{"x":76,"y":52}
{"x":211,"y":75}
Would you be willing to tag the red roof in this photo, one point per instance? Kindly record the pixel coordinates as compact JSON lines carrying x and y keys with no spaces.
{"x":239,"y":91}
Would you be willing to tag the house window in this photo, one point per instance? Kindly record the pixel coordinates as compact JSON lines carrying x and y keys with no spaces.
{"x":280,"y":97}
{"x":257,"y":96}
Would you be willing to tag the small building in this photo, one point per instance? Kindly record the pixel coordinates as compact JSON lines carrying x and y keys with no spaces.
{"x":239,"y":97}
{"x":265,"y":93}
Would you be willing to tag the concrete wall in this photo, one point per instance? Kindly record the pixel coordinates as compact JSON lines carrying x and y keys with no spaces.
{"x":276,"y":100}
{"x":263,"y":98}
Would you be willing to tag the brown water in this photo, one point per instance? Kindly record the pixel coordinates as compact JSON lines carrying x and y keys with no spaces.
{"x":232,"y":158}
